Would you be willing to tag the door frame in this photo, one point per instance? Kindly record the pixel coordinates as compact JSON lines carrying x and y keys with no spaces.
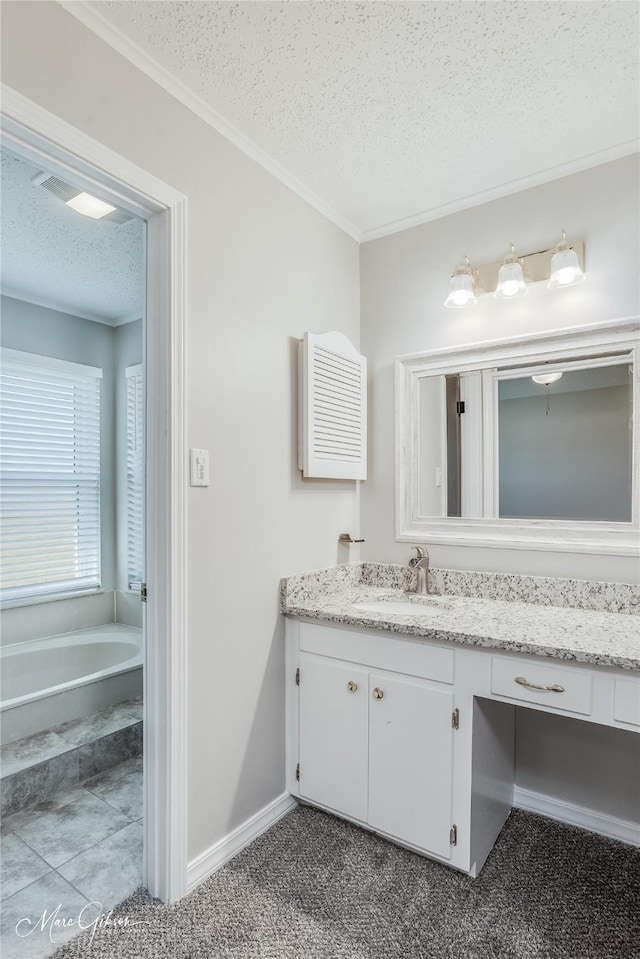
{"x":41,"y":137}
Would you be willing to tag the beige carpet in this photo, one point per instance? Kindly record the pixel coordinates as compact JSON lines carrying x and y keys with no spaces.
{"x":314,"y":887}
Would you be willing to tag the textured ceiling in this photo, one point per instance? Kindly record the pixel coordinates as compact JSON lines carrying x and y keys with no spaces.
{"x":56,"y":257}
{"x":390,"y":110}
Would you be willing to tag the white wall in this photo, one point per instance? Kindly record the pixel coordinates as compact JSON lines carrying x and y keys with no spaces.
{"x":404,"y":282}
{"x":262,"y":267}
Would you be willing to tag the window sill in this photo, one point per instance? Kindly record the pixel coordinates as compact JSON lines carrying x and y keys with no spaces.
{"x":50,"y":598}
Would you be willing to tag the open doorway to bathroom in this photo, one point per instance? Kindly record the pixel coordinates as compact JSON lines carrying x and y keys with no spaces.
{"x":72,"y":506}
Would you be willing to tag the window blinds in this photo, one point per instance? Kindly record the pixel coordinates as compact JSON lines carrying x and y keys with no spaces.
{"x":135,"y":476}
{"x":49,"y":476}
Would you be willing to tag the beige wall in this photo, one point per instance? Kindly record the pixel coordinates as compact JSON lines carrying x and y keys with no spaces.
{"x":404,"y":282}
{"x":262,"y":267}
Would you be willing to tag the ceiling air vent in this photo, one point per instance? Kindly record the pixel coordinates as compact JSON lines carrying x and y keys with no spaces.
{"x":65,"y":192}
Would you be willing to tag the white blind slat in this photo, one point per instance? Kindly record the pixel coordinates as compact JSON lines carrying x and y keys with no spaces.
{"x":135,"y":478}
{"x":49,"y":477}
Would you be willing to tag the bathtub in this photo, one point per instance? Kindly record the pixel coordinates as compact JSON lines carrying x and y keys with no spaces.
{"x":51,"y":681}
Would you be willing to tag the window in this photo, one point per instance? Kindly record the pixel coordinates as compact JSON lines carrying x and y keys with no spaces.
{"x":135,"y":476}
{"x":49,"y":476}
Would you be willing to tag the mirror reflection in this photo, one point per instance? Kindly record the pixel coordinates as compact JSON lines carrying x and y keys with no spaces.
{"x":565,"y":445}
{"x":539,"y":442}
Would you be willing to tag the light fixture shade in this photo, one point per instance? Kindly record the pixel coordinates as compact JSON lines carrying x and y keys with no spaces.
{"x":510,"y":278}
{"x":565,"y":268}
{"x":546,"y":379}
{"x":462,"y":292}
{"x":510,"y":282}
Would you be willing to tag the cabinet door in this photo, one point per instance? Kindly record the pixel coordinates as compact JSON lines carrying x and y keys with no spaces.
{"x":411,"y":761}
{"x":333,"y":735}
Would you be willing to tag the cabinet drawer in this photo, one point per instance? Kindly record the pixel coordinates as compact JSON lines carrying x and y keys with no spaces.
{"x":558,"y":688}
{"x":626,"y":701}
{"x":379,"y":652}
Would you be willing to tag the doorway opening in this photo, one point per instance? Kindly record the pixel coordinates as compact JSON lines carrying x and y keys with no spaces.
{"x":147,"y":499}
{"x":71,"y":537}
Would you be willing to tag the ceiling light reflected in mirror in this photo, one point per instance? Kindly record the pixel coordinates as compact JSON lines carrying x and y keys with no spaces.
{"x":90,"y":206}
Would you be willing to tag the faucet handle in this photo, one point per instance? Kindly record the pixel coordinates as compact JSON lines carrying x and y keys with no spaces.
{"x":421,"y":553}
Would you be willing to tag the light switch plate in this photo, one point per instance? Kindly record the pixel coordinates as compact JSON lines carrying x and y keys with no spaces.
{"x":199,"y":460}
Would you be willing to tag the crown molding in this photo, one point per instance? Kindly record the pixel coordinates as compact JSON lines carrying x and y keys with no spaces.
{"x":59,"y":307}
{"x":131,"y":51}
{"x":91,"y":18}
{"x":504,"y":189}
{"x":127,"y":318}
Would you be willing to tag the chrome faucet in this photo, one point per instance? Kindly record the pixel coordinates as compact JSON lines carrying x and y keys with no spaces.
{"x":420,"y":563}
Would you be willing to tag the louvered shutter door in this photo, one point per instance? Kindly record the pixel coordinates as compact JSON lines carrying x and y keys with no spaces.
{"x":49,"y":476}
{"x":333,"y":408}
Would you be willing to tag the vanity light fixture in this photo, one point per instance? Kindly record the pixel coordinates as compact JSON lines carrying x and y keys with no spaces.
{"x":546,"y":379}
{"x":462,"y":292}
{"x":557,"y":267}
{"x":510,"y":277}
{"x":565,"y":268}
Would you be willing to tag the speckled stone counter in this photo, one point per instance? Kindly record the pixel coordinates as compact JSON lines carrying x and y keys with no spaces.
{"x":587,"y":622}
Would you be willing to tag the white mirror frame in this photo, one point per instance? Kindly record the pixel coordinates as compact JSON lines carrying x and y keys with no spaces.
{"x":616,"y":539}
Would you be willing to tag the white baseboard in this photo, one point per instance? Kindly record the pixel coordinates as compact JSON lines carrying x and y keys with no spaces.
{"x":575,"y":815}
{"x":230,"y":845}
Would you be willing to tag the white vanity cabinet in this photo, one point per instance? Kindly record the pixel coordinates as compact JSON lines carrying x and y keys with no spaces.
{"x":378,"y":748}
{"x":411,"y":761}
{"x":333,"y":757}
{"x":373,"y":744}
{"x":414,"y":739}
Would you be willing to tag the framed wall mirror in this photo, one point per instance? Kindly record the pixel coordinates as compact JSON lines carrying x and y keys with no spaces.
{"x":532,"y":442}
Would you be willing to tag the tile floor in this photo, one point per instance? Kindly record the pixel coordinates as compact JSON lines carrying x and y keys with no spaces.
{"x":83,"y":846}
{"x":39,"y":767}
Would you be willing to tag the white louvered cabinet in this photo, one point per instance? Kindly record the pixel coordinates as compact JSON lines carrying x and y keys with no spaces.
{"x":332,"y":436}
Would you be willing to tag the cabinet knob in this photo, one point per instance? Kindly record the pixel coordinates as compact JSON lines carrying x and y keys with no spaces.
{"x":377,"y":693}
{"x":351,"y":686}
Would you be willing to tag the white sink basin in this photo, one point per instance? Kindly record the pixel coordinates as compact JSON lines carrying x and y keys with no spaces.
{"x":398,"y":608}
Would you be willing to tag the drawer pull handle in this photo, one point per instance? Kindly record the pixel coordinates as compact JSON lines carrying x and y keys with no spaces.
{"x":377,"y":693}
{"x":556,"y":688}
{"x":351,"y":686}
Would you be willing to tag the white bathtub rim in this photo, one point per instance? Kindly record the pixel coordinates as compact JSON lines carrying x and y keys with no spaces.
{"x":72,"y":634}
{"x":75,"y":638}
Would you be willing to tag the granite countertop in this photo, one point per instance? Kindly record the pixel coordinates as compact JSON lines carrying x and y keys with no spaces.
{"x":595,"y":637}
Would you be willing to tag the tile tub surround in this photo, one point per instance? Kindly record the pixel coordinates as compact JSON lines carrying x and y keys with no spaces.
{"x":23,"y":624}
{"x":85,"y":846}
{"x":532,"y":590}
{"x":581,"y":635}
{"x":36,"y":769}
